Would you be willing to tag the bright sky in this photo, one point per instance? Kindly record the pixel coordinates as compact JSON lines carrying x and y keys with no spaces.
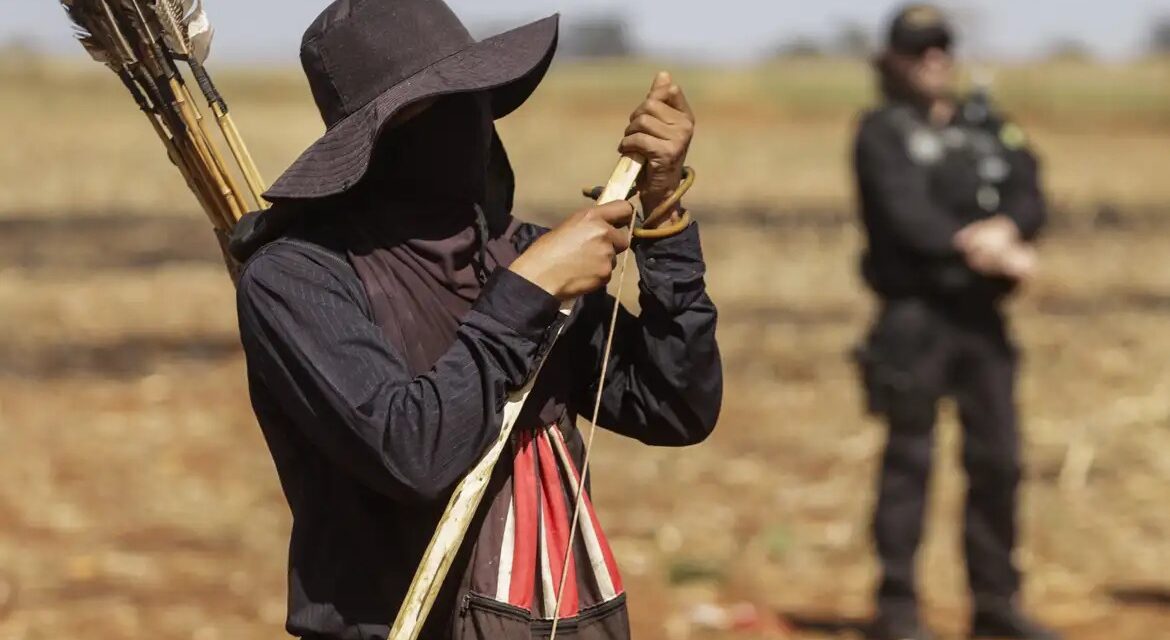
{"x":721,"y":30}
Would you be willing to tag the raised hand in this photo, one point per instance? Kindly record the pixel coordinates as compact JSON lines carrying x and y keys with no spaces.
{"x":660,"y":131}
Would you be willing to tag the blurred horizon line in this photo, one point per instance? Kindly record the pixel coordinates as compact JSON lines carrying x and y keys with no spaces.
{"x":10,"y":54}
{"x":600,"y":34}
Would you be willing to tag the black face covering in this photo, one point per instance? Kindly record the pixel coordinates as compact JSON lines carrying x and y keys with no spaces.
{"x":418,"y":233}
{"x":441,"y":154}
{"x":446,"y":163}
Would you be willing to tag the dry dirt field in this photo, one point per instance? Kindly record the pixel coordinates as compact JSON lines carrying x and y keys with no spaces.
{"x":137,"y":499}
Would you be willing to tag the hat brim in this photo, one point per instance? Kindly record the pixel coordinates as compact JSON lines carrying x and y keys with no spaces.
{"x":918,"y":41}
{"x":509,"y":65}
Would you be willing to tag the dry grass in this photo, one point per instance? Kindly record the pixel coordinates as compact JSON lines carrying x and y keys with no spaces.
{"x":776,"y":136}
{"x":137,"y":499}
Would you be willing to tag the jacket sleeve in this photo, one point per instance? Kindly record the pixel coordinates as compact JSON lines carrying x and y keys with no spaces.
{"x":1024,"y":200}
{"x":899,"y":189}
{"x":308,"y":340}
{"x":664,"y":385}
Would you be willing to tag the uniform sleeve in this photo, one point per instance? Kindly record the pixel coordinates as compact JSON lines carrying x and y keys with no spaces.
{"x":309,"y":342}
{"x":665,"y":380}
{"x":1024,"y":200}
{"x":899,"y":190}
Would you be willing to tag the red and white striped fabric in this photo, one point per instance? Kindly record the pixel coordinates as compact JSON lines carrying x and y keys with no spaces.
{"x":535,"y":532}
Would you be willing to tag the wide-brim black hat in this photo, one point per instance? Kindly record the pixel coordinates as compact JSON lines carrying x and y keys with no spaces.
{"x":367,"y":60}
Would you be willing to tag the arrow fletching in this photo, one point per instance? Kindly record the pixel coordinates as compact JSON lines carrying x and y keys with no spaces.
{"x":187,"y":30}
{"x":88,"y":32}
{"x":141,"y":41}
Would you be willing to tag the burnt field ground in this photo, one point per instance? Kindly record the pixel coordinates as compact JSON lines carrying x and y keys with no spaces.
{"x":137,"y":498}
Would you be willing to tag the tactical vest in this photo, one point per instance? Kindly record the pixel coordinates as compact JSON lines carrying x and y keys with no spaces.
{"x":967,"y":160}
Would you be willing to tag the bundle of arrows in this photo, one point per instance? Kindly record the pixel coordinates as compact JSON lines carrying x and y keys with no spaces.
{"x":146,"y":43}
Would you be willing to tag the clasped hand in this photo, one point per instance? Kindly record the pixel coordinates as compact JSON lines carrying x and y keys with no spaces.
{"x":993,"y":247}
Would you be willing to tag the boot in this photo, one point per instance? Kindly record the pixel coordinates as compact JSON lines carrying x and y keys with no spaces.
{"x":899,"y":628}
{"x":1009,"y":624}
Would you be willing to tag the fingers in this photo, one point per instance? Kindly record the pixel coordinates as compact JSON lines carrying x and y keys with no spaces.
{"x":677,"y":99}
{"x":619,"y":238}
{"x":985,"y":263}
{"x":656,"y":127}
{"x":993,"y":235}
{"x":615,"y":214}
{"x":663,"y":125}
{"x":659,"y":110}
{"x":647,"y":146}
{"x":1014,"y":261}
{"x":975,"y":243}
{"x":665,"y":115}
{"x":666,"y":92}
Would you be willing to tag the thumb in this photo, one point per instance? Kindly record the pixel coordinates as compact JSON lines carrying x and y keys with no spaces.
{"x":662,"y":80}
{"x":617,"y":213}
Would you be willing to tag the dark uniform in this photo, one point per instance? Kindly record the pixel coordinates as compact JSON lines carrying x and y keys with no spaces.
{"x":941,"y":332}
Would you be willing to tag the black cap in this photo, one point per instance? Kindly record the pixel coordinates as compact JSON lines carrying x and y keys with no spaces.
{"x":919,"y":27}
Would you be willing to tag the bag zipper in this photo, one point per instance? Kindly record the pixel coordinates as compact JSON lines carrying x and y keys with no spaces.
{"x":476,"y":601}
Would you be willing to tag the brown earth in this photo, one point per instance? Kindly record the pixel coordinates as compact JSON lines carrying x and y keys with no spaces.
{"x":137,"y":498}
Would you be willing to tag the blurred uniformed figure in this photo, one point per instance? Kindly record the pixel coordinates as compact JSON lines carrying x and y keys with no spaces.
{"x":951,"y":202}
